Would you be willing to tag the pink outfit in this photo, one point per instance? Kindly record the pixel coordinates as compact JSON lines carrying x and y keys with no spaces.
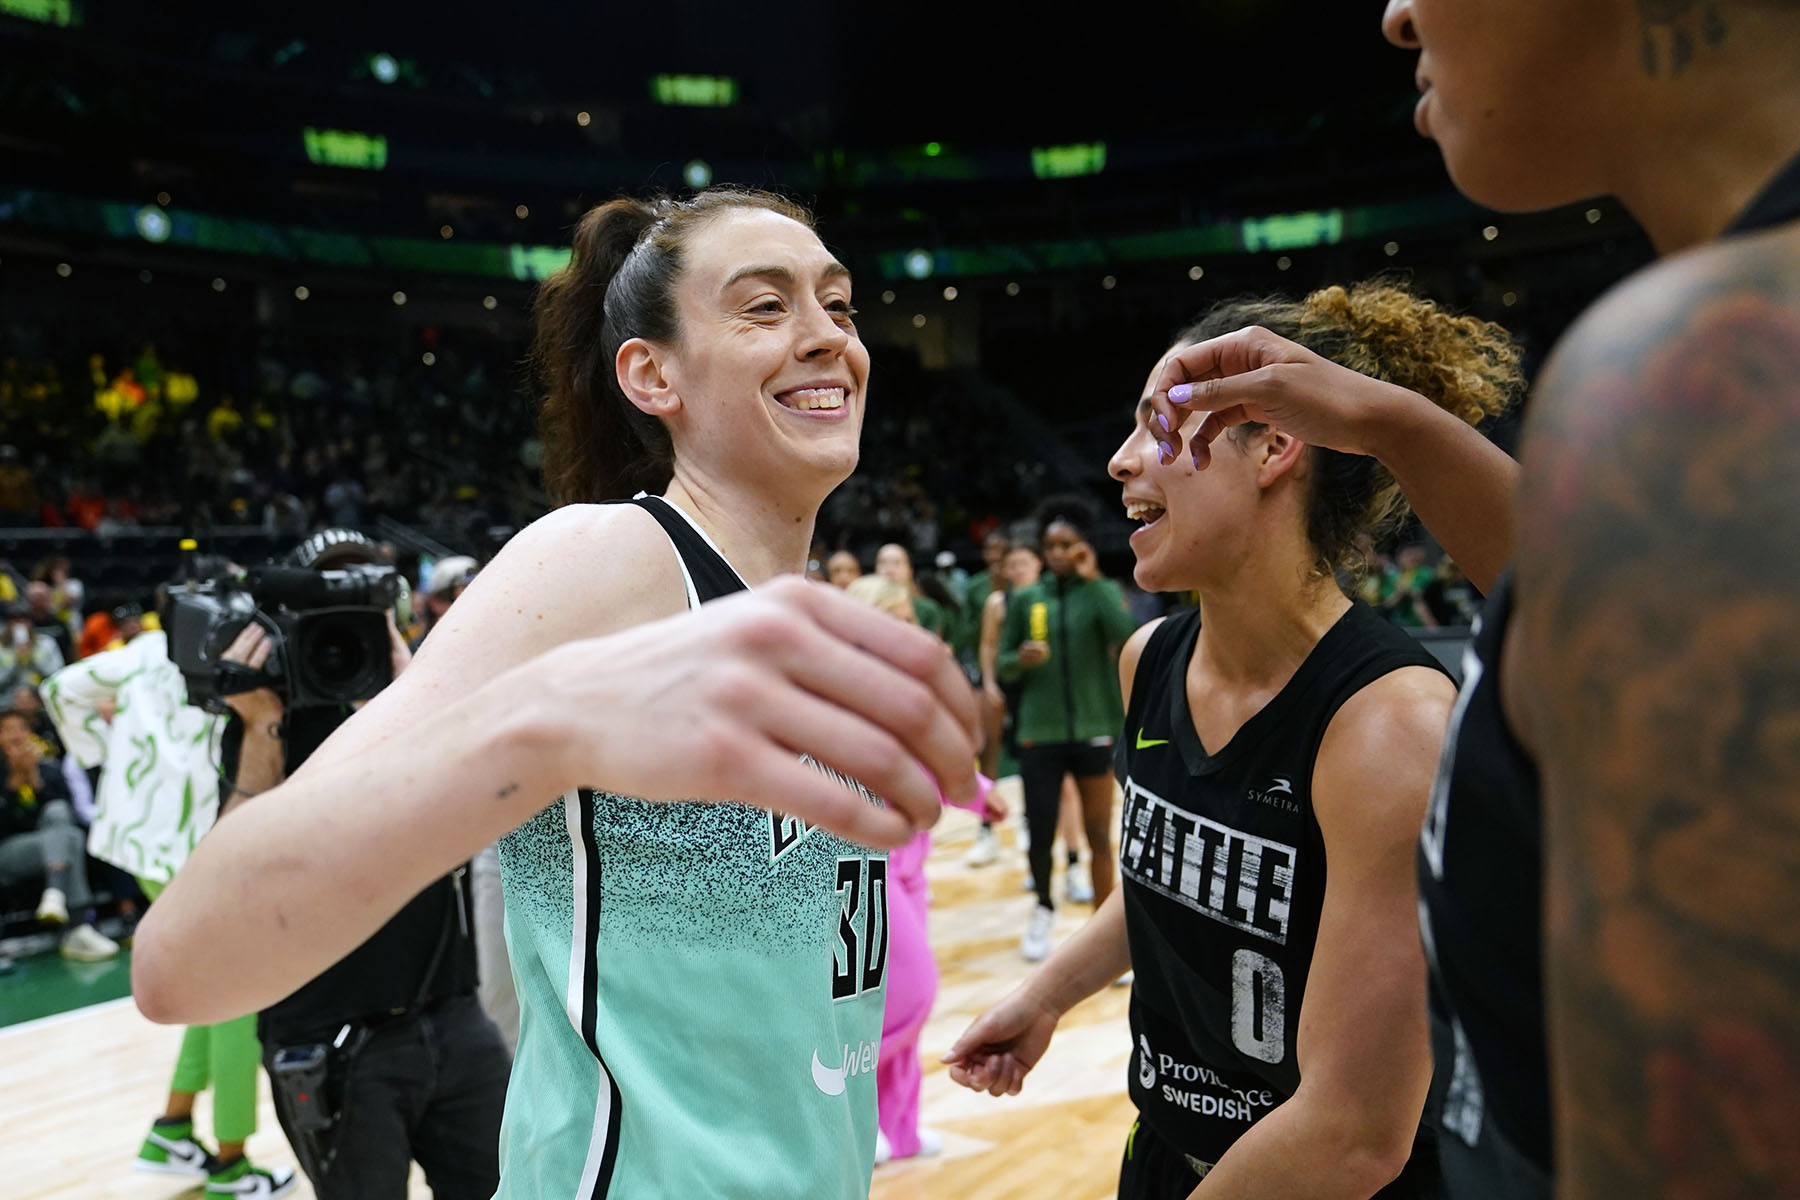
{"x":912,"y":984}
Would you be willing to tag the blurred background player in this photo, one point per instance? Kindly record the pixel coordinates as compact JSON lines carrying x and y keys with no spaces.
{"x":842,"y":569}
{"x":912,"y":981}
{"x":937,"y":613}
{"x":1060,"y":640}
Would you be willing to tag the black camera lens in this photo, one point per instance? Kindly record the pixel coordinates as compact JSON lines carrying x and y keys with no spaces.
{"x":339,"y":655}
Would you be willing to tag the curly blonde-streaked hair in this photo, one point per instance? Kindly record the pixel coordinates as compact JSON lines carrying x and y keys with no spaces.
{"x":879,"y":591}
{"x":1380,"y":328}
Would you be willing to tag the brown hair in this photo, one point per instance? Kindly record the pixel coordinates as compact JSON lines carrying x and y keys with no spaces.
{"x":619,"y":284}
{"x":1383,"y":329}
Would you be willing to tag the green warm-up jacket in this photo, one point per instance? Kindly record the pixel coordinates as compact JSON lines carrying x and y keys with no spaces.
{"x":1074,"y":695}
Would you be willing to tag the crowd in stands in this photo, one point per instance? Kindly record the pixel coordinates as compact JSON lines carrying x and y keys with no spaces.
{"x":278,"y":436}
{"x":46,"y":798}
{"x":293,"y":437}
{"x":1415,"y":593}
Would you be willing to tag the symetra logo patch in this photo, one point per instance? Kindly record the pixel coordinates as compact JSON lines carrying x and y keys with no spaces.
{"x":856,"y":1060}
{"x":1279,"y":793}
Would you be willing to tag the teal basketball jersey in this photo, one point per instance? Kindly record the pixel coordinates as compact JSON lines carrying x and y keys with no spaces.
{"x":700,"y":990}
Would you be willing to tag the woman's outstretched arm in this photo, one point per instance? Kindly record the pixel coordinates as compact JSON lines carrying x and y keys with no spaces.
{"x":491,"y":724}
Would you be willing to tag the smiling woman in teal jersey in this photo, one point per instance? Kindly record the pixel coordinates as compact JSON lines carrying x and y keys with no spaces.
{"x":701,"y":984}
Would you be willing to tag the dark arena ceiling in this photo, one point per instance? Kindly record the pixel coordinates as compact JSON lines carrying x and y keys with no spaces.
{"x":1031,"y":200}
{"x":1165,"y":154}
{"x":907,"y":124}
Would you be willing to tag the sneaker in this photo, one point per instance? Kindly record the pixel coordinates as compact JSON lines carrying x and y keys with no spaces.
{"x":985,"y":850}
{"x":239,"y":1178}
{"x":1077,"y":885}
{"x":1035,"y":945}
{"x":84,"y":943}
{"x":171,"y":1149}
{"x":53,"y":909}
{"x":930,"y":1142}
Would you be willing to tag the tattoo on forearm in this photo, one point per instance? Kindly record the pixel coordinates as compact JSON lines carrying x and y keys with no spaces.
{"x":506,"y":791}
{"x":1660,"y":588}
{"x":1674,"y":25}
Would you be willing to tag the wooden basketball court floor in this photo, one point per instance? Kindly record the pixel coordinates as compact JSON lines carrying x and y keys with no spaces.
{"x":78,"y":1090}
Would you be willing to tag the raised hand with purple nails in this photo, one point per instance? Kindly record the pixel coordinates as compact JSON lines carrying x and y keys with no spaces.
{"x":1255,"y":375}
{"x":1459,"y":483}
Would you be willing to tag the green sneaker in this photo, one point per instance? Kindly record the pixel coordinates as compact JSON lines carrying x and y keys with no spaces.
{"x":171,"y":1149}
{"x":239,"y":1178}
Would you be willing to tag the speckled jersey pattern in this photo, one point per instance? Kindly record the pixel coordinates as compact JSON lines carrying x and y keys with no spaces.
{"x":701,"y":995}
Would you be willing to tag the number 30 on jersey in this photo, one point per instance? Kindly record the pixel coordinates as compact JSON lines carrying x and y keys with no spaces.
{"x":859,"y":964}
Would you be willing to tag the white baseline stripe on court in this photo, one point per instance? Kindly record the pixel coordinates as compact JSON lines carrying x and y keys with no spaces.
{"x":59,"y":1018}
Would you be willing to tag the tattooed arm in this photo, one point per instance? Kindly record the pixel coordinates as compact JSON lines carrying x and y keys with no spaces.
{"x":1656,"y":667}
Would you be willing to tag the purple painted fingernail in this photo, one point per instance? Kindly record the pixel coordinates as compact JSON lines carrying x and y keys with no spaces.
{"x":1181,"y":393}
{"x":1165,"y":452}
{"x":1163,"y":421}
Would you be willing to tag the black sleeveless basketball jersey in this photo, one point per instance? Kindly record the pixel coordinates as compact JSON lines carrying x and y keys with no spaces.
{"x":1480,"y":885}
{"x":1480,"y":913}
{"x":1223,"y":870}
{"x":708,"y":575}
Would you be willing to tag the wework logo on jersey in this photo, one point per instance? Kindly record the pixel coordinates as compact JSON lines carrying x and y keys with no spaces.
{"x":1236,"y":878}
{"x":786,"y":832}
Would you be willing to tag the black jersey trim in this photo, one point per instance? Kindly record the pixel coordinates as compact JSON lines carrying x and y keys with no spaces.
{"x":589,"y":848}
{"x":708,"y":570}
{"x":1778,"y":202}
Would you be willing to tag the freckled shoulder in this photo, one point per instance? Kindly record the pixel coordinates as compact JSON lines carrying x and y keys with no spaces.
{"x":584,"y":570}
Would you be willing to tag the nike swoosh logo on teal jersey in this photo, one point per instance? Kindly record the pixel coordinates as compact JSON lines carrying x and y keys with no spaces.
{"x":829,"y":1080}
{"x":1144,"y":743}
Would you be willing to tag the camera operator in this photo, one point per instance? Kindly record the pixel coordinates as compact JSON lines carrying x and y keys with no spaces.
{"x":386,"y":1057}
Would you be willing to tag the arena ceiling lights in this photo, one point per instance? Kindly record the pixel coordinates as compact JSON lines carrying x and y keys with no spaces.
{"x":61,"y":13}
{"x":1067,"y":162}
{"x":694,"y":91}
{"x":345,"y":148}
{"x":528,"y":262}
{"x":153,"y":224}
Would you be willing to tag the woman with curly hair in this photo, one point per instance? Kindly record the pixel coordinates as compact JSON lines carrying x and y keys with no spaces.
{"x":1278,"y":1013}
